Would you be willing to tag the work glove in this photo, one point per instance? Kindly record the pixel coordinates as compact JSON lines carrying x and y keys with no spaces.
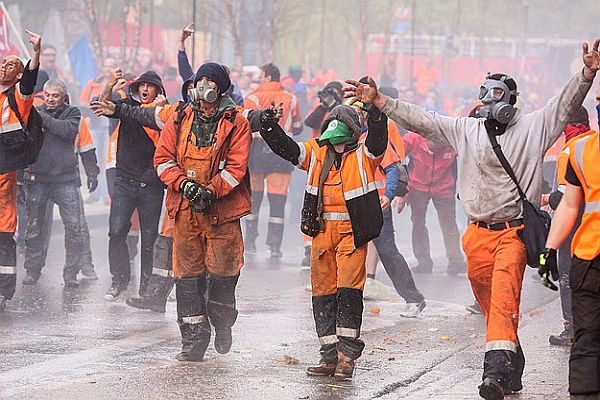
{"x":92,"y":183}
{"x":191,"y":190}
{"x":200,"y":197}
{"x":548,"y":267}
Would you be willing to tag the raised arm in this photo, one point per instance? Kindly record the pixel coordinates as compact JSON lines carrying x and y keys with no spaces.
{"x":66,"y":127}
{"x":277,"y":140}
{"x":183,"y":63}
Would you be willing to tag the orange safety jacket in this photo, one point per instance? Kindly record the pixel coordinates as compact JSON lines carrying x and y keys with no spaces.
{"x":585,"y":160}
{"x":229,"y":165}
{"x":268,"y":92}
{"x":563,"y":158}
{"x":359,"y":187}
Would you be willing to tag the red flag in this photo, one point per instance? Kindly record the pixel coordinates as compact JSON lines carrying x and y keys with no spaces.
{"x":6,"y":49}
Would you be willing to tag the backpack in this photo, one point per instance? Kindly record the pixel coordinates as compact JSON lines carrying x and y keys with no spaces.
{"x":20,"y":148}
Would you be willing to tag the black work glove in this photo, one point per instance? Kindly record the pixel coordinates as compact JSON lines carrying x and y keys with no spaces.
{"x":268,"y":117}
{"x":548,"y":266}
{"x":191,"y":190}
{"x":92,"y":183}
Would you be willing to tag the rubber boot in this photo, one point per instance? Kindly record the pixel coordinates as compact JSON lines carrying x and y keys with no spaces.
{"x":490,"y":389}
{"x":221,"y":309}
{"x":31,"y":277}
{"x":518,"y":361}
{"x":565,"y":338}
{"x":192,"y":319}
{"x":251,"y":233}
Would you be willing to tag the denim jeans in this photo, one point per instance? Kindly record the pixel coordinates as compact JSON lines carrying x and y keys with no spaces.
{"x":129,"y":195}
{"x":68,"y":198}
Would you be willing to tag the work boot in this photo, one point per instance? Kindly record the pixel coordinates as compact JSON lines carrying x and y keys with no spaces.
{"x":490,"y":389}
{"x":565,"y":338}
{"x":306,"y":259}
{"x":324,"y":368}
{"x":70,"y":279}
{"x":345,"y":367}
{"x":3,"y":302}
{"x":89,"y":274}
{"x":423,"y":269}
{"x":31,"y":278}
{"x":223,"y":340}
{"x":155,"y":295}
{"x":191,"y":317}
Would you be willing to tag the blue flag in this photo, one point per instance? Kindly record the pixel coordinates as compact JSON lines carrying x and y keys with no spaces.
{"x":82,"y":62}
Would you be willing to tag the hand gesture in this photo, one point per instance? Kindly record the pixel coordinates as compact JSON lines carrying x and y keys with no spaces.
{"x":103,"y":108}
{"x":365,"y":93}
{"x":186,"y":32}
{"x":115,"y":75}
{"x":35,"y":40}
{"x":160,"y":100}
{"x":398,"y":204}
{"x":548,"y":267}
{"x":591,"y":59}
{"x":271,"y":114}
{"x":384,"y":202}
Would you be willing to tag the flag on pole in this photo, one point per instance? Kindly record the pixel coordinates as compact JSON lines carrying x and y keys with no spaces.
{"x":82,"y":61}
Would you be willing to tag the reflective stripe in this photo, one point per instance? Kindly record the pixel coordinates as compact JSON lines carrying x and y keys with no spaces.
{"x":501,"y":345}
{"x":302,"y":155}
{"x":194,"y":319}
{"x":312,"y":189}
{"x":331,"y":339}
{"x":8,"y":270}
{"x":221,"y":165}
{"x":276,"y":220}
{"x":336,"y":216}
{"x":252,"y":217}
{"x":87,"y":147}
{"x":561,"y":188}
{"x":165,"y":166}
{"x":256,"y":135}
{"x":162,"y":272}
{"x":347,"y":332}
{"x":593,"y":206}
{"x":246,"y":112}
{"x":361,"y":168}
{"x":253,"y":99}
{"x":361,"y":191}
{"x":11,"y":127}
{"x":313,"y":161}
{"x":579,"y":149}
{"x":227,"y":177}
{"x":157,"y":120}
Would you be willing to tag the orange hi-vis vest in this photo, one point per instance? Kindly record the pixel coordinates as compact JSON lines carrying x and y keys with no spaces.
{"x":356,"y":178}
{"x":84,"y":140}
{"x":585,"y":160}
{"x":563,"y":159}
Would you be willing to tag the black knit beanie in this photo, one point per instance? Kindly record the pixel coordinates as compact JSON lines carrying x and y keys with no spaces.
{"x":214,"y":72}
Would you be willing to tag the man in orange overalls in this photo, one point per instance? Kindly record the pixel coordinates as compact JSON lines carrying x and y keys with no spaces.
{"x":21,"y":79}
{"x":202,"y":157}
{"x":342,"y":214}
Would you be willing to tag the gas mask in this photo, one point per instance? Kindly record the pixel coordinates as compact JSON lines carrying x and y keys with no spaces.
{"x":203,"y":92}
{"x":495,"y":96}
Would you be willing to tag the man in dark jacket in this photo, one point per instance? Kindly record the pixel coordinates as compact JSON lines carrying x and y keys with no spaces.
{"x":136,"y":186}
{"x":55,"y":177}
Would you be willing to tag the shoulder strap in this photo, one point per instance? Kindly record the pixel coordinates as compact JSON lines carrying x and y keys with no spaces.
{"x":12,"y":102}
{"x":180,"y":107}
{"x":505,"y":164}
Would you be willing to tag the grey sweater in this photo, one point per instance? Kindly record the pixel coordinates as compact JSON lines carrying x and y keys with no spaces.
{"x":57,"y":161}
{"x":485,"y":189}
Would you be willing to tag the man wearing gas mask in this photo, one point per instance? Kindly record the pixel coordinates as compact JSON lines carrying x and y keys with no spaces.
{"x":496,"y":255}
{"x":202,"y":157}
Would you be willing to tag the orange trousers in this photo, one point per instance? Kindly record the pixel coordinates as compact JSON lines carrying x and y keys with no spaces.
{"x":335,"y":263}
{"x":495,"y":266}
{"x":8,"y":202}
{"x":200,"y":247}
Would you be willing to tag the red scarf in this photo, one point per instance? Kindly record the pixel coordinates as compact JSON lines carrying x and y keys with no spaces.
{"x":572,"y":131}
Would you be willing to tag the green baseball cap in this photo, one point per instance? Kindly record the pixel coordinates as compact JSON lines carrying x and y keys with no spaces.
{"x":337,"y":132}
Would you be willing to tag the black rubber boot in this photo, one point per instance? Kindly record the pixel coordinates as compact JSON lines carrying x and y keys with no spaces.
{"x":490,"y":389}
{"x":155,"y":295}
{"x":518,"y":362}
{"x":221,"y":309}
{"x":192,"y":319}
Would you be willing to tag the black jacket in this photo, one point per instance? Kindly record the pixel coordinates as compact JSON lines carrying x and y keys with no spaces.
{"x":135,"y":149}
{"x":57,"y":161}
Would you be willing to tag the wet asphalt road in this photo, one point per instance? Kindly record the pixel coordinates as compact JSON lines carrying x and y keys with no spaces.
{"x":59,"y":343}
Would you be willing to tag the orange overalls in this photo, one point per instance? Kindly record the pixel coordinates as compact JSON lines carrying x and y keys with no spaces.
{"x":199,"y":246}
